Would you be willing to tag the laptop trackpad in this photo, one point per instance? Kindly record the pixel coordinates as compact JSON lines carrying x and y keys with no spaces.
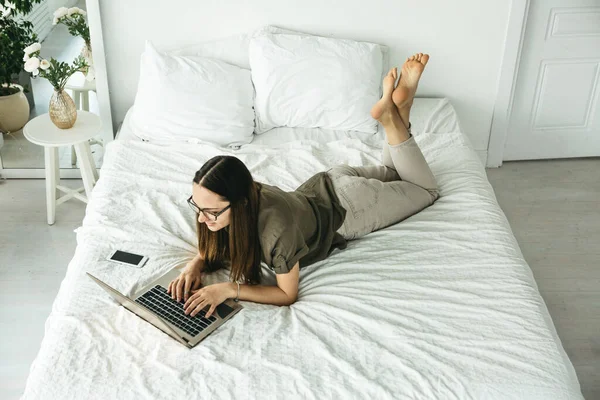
{"x":224,"y":310}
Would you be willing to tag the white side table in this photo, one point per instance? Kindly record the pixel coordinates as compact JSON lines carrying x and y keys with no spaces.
{"x":81,"y":88}
{"x":43,"y":132}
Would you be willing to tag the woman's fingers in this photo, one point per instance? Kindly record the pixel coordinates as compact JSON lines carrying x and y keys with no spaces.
{"x":186,"y":288}
{"x":180,"y":284}
{"x":199,"y":307}
{"x":211,"y":310}
{"x":196,"y":303}
{"x":196,"y":285}
{"x":194,"y":298}
{"x":172,"y":287}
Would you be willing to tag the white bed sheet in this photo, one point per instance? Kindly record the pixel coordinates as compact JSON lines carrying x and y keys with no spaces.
{"x":440,"y":306}
{"x":427,"y":115}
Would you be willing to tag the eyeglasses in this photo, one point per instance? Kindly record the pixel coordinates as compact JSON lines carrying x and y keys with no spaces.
{"x":212,"y":216}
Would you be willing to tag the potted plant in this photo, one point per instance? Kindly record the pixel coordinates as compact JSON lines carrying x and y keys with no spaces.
{"x":14,"y":35}
{"x":22,"y":6}
{"x":74,"y":19}
{"x":62,"y":108}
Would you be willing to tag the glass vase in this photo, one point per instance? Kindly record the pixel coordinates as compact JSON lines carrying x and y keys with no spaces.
{"x":86,"y":52}
{"x":62,"y":110}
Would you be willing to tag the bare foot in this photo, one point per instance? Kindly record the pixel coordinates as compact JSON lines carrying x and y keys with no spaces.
{"x":404,"y":93}
{"x":380,"y":110}
{"x":385,"y":111}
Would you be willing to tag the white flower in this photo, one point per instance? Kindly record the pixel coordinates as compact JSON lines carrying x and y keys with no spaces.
{"x":61,"y":12}
{"x":55,"y":21}
{"x":36,"y":72}
{"x":26,"y":57}
{"x":45,"y":64}
{"x":76,"y":10}
{"x":32,"y":48}
{"x":5,"y":11}
{"x":32,"y":64}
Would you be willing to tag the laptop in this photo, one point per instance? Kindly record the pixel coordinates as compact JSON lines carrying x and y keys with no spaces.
{"x":154,"y":305}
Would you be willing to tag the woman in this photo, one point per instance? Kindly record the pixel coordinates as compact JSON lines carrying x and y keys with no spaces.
{"x":242,"y":222}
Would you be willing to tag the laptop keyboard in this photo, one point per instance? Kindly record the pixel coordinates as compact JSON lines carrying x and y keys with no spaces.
{"x":158,"y":300}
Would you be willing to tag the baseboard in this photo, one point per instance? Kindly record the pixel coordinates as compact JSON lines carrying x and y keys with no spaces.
{"x":37,"y":173}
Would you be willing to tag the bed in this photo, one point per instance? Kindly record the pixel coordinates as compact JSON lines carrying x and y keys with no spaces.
{"x":439,"y":306}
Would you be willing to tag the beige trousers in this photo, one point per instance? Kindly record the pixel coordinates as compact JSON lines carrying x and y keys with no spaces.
{"x":379,"y":196}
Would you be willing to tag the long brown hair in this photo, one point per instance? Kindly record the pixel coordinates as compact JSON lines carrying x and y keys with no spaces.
{"x":228,"y":177}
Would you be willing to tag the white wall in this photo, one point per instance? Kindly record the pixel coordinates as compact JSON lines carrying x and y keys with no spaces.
{"x":465,"y":39}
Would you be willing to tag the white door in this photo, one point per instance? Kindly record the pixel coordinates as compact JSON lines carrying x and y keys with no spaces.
{"x":556,"y":112}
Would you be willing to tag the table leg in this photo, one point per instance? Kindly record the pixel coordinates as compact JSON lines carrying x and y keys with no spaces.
{"x":73,"y":156}
{"x":85,"y":167}
{"x":51,"y":157}
{"x":57,"y":169}
{"x":85,"y":101}
{"x":88,"y":149}
{"x":77,"y":99}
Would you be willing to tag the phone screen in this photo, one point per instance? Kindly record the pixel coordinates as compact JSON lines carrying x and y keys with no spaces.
{"x":125,"y":257}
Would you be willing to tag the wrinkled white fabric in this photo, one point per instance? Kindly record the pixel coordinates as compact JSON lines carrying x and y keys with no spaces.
{"x":427,"y":115}
{"x":314,"y":82}
{"x":440,"y":306}
{"x":192,"y":99}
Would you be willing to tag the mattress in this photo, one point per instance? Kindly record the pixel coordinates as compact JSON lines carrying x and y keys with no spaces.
{"x":439,"y":306}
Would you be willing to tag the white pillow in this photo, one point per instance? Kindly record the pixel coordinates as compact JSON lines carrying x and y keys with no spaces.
{"x":312,"y":81}
{"x":192,"y":99}
{"x":231,"y":49}
{"x":234,"y":49}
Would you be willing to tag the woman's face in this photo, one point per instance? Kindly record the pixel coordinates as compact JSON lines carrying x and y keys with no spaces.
{"x":211,"y":203}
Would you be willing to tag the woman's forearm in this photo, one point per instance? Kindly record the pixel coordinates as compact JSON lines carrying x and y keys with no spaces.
{"x":198,"y":257}
{"x":261,"y":294}
{"x":198,"y":262}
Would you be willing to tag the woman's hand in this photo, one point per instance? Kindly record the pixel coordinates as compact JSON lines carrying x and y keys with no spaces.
{"x":189,"y":279}
{"x":212,"y":295}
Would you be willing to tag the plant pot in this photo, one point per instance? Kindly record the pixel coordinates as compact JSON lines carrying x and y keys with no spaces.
{"x":25,"y":81}
{"x":14,"y":111}
{"x":62,"y":110}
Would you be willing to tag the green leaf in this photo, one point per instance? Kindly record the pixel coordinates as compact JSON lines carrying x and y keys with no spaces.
{"x":25,"y":6}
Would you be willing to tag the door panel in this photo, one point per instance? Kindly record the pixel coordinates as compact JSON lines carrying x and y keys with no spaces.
{"x":555,"y":111}
{"x":574,"y":22}
{"x":562,"y":82}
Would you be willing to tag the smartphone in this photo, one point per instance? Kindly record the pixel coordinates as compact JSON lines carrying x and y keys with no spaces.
{"x":131,"y":259}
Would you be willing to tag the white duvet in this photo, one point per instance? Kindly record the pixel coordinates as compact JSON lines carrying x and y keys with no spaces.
{"x":440,"y":306}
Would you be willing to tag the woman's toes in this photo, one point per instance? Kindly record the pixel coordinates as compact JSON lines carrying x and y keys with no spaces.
{"x":388,"y":83}
{"x":392,"y":74}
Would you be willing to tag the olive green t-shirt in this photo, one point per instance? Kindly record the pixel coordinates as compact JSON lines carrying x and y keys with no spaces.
{"x":300,"y":225}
